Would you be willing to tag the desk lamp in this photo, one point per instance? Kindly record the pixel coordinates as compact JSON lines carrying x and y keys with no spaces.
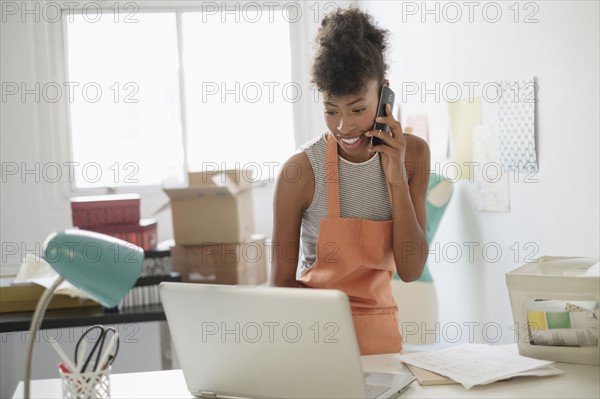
{"x":103,"y":266}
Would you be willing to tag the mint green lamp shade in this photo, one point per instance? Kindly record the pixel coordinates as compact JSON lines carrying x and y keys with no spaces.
{"x":103,"y":266}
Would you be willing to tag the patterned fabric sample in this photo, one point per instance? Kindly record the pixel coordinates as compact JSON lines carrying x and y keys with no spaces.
{"x":516,"y":114}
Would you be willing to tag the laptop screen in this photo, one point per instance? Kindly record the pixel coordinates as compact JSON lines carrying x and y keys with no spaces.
{"x":264,"y":341}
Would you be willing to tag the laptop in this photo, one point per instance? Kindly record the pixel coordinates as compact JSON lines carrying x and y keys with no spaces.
{"x":269,"y":342}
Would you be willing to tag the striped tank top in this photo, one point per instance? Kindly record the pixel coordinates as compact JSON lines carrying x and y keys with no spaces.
{"x":363,"y":195}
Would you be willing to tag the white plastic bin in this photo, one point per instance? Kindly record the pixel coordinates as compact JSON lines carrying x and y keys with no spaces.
{"x":536,"y":289}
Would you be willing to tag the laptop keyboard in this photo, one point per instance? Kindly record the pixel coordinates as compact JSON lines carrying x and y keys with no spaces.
{"x":373,"y":391}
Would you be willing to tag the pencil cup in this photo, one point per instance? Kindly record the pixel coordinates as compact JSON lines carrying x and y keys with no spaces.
{"x":94,"y":384}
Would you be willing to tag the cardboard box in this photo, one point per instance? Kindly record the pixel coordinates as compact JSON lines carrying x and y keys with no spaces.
{"x":242,"y":263}
{"x":241,"y":177}
{"x":144,"y":233}
{"x":549,"y":297}
{"x":100,"y":210}
{"x":215,"y":209}
{"x":23,"y":297}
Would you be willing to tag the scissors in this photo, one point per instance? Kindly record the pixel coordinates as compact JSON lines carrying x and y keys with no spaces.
{"x":98,"y":340}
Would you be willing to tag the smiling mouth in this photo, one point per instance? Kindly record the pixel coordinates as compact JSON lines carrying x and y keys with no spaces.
{"x":352,"y":140}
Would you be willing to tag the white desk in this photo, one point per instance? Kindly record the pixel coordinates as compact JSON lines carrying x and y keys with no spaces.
{"x":579,"y":381}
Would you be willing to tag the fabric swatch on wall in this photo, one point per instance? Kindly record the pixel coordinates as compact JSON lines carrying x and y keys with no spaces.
{"x":516,"y":115}
{"x":418,"y":126}
{"x":491,"y":181}
{"x":464,"y":116}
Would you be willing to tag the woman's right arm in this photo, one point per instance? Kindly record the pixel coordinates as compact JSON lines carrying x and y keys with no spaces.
{"x":293,"y":193}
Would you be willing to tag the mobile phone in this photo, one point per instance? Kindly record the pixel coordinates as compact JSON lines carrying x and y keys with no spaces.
{"x":385,"y":97}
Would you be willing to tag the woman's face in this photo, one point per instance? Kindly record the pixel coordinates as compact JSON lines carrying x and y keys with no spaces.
{"x":348,"y":118}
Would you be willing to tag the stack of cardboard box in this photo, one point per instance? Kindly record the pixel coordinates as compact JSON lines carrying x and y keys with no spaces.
{"x":213,"y":226}
{"x":116,"y":215}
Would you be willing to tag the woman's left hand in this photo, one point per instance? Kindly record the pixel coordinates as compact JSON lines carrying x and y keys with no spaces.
{"x":393,"y":151}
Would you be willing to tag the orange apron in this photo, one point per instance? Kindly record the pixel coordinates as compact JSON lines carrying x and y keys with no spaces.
{"x":355,"y":256}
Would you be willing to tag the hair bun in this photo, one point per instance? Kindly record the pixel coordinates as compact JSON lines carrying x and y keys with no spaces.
{"x":350,"y":51}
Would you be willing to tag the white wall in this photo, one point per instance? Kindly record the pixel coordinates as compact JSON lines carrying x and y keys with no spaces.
{"x":558,"y":214}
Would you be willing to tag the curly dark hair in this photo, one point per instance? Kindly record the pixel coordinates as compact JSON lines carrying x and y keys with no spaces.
{"x":350,"y":52}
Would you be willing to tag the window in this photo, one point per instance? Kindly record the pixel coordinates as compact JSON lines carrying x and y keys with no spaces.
{"x":175,"y":91}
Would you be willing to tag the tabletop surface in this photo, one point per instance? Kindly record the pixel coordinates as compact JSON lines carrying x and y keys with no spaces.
{"x":578,"y":381}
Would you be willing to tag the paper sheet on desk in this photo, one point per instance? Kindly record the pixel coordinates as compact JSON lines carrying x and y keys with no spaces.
{"x":36,"y":270}
{"x":478,"y":364}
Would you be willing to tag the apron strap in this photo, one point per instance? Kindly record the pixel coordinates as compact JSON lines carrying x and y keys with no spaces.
{"x":332,"y":178}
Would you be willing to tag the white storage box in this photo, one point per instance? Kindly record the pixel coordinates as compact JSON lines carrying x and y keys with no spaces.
{"x":555,"y":308}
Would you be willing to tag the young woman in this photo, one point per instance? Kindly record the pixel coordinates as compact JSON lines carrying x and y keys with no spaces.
{"x":347,"y":214}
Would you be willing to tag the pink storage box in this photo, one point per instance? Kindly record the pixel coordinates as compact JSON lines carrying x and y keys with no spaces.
{"x":101,"y":210}
{"x":144,"y":234}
